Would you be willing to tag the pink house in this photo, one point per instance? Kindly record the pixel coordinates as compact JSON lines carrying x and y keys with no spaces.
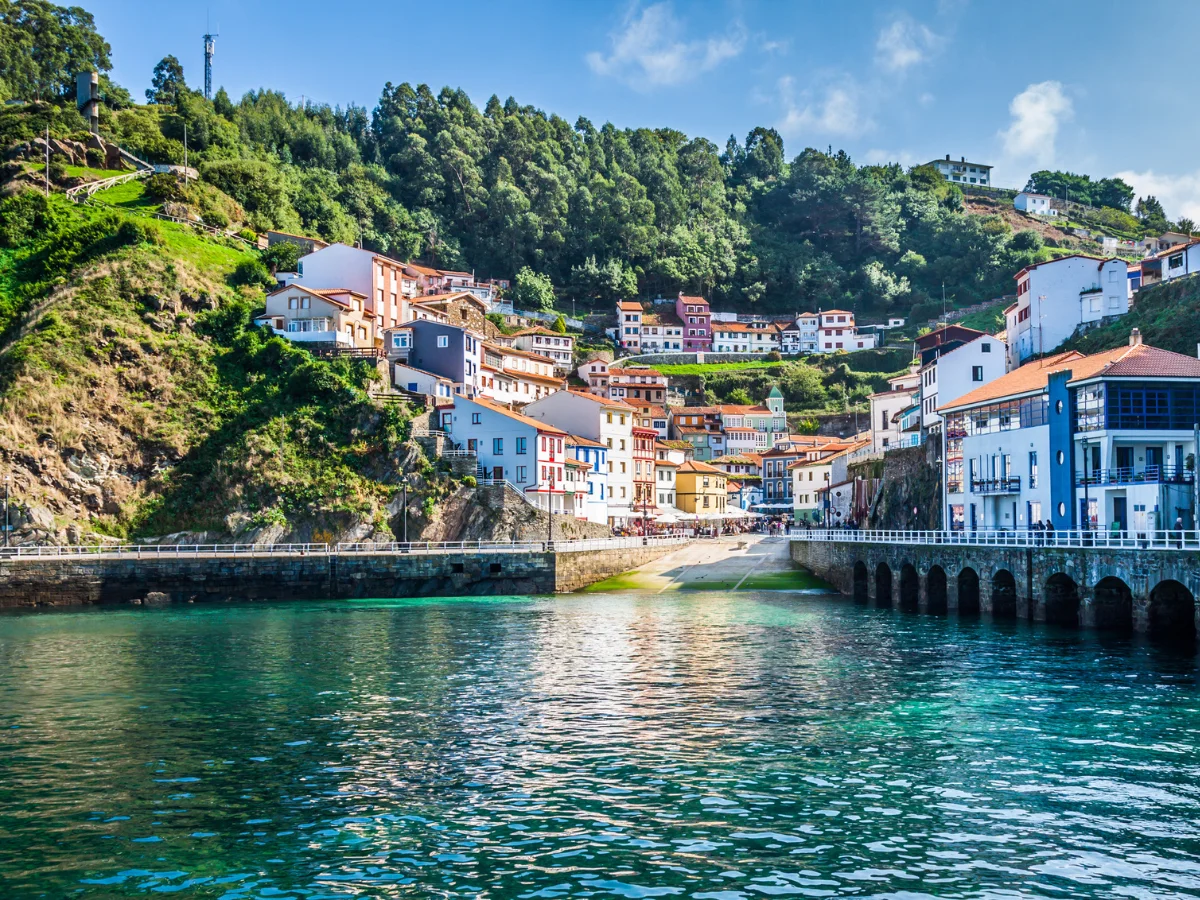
{"x":696,"y":317}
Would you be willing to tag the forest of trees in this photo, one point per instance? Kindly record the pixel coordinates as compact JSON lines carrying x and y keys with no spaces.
{"x":601,"y":212}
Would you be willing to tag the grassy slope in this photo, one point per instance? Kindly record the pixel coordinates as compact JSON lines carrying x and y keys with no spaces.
{"x":190,"y":416}
{"x":1168,"y":316}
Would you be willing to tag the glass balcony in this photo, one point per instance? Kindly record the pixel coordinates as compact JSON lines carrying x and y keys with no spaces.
{"x":1008,"y":485}
{"x":1165,"y":474}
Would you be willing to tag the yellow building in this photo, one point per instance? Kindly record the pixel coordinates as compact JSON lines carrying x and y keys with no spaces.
{"x":700,"y":489}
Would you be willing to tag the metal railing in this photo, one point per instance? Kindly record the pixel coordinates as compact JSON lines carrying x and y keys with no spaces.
{"x":1164,"y":474}
{"x":88,"y":188}
{"x":193,"y":551}
{"x":1008,"y":485}
{"x":1158,"y":539}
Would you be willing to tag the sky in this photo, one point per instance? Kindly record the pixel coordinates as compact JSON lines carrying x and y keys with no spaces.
{"x":1101,"y":88}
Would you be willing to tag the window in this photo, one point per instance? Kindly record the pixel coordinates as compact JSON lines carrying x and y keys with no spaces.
{"x":443,"y":340}
{"x":610,"y":422}
{"x":520,"y":446}
{"x":476,"y":418}
{"x":1033,"y":470}
{"x":1175,"y":261}
{"x":522,"y":474}
{"x":985,"y":348}
{"x":498,"y":446}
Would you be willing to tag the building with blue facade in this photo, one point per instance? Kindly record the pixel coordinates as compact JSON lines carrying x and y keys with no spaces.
{"x":1105,"y":441}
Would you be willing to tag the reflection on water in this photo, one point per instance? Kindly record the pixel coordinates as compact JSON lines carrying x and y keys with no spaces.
{"x":705,"y":746}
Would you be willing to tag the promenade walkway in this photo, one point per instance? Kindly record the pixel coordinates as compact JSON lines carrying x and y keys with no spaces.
{"x":739,"y":562}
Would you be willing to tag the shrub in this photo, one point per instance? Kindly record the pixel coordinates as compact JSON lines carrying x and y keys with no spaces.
{"x":470,"y":481}
{"x":95,"y":159}
{"x":251,"y":273}
{"x":164,"y":186}
{"x":139,"y":231}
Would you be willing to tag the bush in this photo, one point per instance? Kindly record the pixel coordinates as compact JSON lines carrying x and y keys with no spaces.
{"x":251,"y":273}
{"x":24,"y":215}
{"x":470,"y":481}
{"x":95,"y":159}
{"x":139,"y":231}
{"x":163,"y":187}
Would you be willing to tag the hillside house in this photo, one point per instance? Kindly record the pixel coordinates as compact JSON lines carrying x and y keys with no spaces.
{"x":376,"y":277}
{"x":963,"y":172}
{"x":447,"y":350}
{"x":330,"y":316}
{"x":695,"y":315}
{"x":629,"y":325}
{"x":544,"y":342}
{"x":1034,"y":204}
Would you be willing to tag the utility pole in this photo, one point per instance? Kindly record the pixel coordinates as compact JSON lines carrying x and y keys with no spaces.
{"x":47,"y":157}
{"x":7,"y":479}
{"x":185,"y":165}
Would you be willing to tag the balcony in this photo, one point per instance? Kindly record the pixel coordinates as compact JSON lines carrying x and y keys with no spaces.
{"x":1123,"y":475}
{"x":994,"y":486}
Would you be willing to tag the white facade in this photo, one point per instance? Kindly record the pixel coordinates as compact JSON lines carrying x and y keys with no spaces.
{"x":593,"y":503}
{"x":608,"y":421}
{"x":1056,"y":297}
{"x":381,"y":280}
{"x":418,"y":381}
{"x":1034,"y":204}
{"x":885,"y":407}
{"x":962,"y":172}
{"x":1174,"y":262}
{"x":950,"y":375}
{"x":551,"y":344}
{"x":746,"y":337}
{"x":528,"y":454}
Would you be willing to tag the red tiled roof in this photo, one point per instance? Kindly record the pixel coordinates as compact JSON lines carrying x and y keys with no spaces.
{"x":524,"y":420}
{"x":584,"y":441}
{"x":1144,"y":361}
{"x":704,"y":468}
{"x":596,"y":398}
{"x":629,"y":305}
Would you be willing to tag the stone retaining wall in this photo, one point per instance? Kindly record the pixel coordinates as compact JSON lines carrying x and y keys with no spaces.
{"x":67,"y":582}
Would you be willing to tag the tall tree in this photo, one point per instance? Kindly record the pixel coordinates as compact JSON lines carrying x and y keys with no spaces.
{"x":43,"y":46}
{"x":167,"y":82}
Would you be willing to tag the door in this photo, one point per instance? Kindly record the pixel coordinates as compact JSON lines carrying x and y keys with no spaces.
{"x":1154,"y":461}
{"x":973,"y":520}
{"x":1124,"y":464}
{"x":1120,"y":514}
{"x":498,"y":473}
{"x":1141,"y":518}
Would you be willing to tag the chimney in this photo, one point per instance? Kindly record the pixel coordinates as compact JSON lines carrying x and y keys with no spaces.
{"x":947,"y":157}
{"x":1135,"y":337}
{"x":964,"y":159}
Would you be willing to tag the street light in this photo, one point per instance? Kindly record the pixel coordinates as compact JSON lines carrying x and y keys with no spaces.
{"x":404,"y":488}
{"x":1087,"y":518}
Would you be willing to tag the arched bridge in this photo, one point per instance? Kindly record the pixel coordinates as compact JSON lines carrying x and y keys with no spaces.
{"x":1145,"y":583}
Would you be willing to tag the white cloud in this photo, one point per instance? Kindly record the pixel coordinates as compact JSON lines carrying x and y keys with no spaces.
{"x":903,"y":44}
{"x":1037,"y":112}
{"x":649,"y":50}
{"x":838,"y":111}
{"x":878,"y":157}
{"x":926,"y":99}
{"x":1179,"y":194}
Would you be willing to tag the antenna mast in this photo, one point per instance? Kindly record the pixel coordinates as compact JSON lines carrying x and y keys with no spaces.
{"x":210,"y":46}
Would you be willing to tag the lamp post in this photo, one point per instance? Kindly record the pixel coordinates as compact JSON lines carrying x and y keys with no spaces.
{"x":7,"y":479}
{"x":404,"y":488}
{"x":549,"y":517}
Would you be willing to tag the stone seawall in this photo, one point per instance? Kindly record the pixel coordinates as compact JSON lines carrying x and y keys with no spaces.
{"x":1135,"y":589}
{"x":97,"y":580}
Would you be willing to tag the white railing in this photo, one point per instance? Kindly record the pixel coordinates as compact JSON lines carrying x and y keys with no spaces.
{"x":426,"y":431}
{"x":1130,"y":540}
{"x":91,"y":187}
{"x":192,"y":551}
{"x":455,"y":453}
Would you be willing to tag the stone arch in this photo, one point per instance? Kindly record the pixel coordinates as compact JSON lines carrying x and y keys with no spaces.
{"x":935,"y":591}
{"x":910,"y":587}
{"x":1062,"y":600}
{"x":1172,"y":613}
{"x":861,"y":593}
{"x":1112,"y":605}
{"x":968,"y":592}
{"x":1004,"y":595}
{"x":883,"y":584}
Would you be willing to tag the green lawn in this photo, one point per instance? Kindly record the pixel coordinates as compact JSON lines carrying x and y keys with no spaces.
{"x":706,"y":368}
{"x":129,"y":195}
{"x":990,"y":320}
{"x":92,"y":174}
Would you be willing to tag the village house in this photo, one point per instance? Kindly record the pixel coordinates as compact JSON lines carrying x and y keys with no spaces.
{"x":1102,"y":441}
{"x":418,"y":381}
{"x":376,"y":277}
{"x":700,"y":490}
{"x":304,"y":242}
{"x":662,"y":332}
{"x":527,"y":453}
{"x":544,"y":342}
{"x":637,"y":385}
{"x":332,"y":316}
{"x":1174,"y":262}
{"x":1058,"y":296}
{"x":629,"y":325}
{"x":886,"y":406}
{"x":449,"y":351}
{"x":837,"y":331}
{"x":963,"y":172}
{"x":696,"y":318}
{"x":955,"y":360}
{"x":757,"y":337}
{"x":457,"y":308}
{"x":608,"y":421}
{"x":594,"y":373}
{"x":508,"y":375}
{"x":1034,"y":204}
{"x":644,"y":438}
{"x":593,"y":455}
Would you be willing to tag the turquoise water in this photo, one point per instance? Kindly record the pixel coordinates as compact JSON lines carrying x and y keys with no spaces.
{"x":706,"y":746}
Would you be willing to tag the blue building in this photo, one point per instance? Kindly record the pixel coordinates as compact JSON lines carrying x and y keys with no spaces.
{"x":446,"y":350}
{"x":1103,"y":441}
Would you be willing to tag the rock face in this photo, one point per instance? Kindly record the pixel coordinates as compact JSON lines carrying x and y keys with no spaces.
{"x":73,"y":152}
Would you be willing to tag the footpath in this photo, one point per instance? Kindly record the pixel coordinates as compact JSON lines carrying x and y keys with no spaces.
{"x":739,"y":562}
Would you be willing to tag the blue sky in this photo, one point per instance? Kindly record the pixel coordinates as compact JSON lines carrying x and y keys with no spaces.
{"x":1101,"y":88}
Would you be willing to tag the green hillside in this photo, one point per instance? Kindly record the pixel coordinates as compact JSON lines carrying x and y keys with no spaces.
{"x":137,"y":398}
{"x":1168,"y":316}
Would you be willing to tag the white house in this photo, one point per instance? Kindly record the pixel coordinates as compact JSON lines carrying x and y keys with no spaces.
{"x":508,"y":375}
{"x":1034,"y":204}
{"x":886,"y":407}
{"x":638,"y":385}
{"x":963,"y":172}
{"x":307,"y":314}
{"x":544,"y":342}
{"x":1056,"y":297}
{"x":951,"y":369}
{"x":378,"y":278}
{"x":629,"y":325}
{"x":527,"y":453}
{"x":418,"y":381}
{"x":608,"y":421}
{"x":747,"y":337}
{"x":1174,"y":262}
